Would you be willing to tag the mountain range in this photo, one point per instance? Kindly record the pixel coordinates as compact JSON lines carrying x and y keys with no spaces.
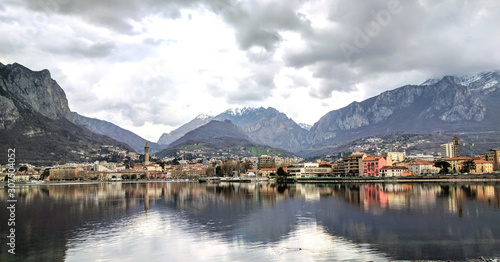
{"x":446,"y":105}
{"x":33,"y":107}
{"x":35,"y":119}
{"x":109,"y":129}
{"x":265,"y":126}
{"x":213,"y":138}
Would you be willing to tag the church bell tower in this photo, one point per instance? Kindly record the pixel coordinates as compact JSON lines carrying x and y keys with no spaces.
{"x":146,"y":154}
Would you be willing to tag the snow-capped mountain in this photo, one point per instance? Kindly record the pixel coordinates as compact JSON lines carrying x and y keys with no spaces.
{"x":204,"y":116}
{"x":239,"y":111}
{"x":265,"y":126}
{"x":305,"y":126}
{"x":200,"y":120}
{"x":482,"y":83}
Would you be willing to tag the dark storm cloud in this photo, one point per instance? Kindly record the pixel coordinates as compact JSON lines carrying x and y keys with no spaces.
{"x":259,"y":24}
{"x":378,"y":37}
{"x":256,"y":24}
{"x":116,"y":15}
{"x":365,"y":39}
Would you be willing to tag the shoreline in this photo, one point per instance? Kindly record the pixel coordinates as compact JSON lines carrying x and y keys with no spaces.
{"x":313,"y":180}
{"x":407,"y":179}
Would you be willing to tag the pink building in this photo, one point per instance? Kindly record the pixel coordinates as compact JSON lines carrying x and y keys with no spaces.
{"x":372,"y":165}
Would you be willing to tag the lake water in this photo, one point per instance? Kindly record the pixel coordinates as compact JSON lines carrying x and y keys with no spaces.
{"x":173,"y":221}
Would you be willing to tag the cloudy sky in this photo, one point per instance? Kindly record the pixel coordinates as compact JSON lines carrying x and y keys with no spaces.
{"x":152,"y":65}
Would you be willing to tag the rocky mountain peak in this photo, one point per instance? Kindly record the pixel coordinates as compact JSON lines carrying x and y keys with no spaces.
{"x":406,"y":108}
{"x":203,"y":117}
{"x":482,"y":83}
{"x":34,"y":90}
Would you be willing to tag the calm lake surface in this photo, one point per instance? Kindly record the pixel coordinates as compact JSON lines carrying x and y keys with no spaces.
{"x":175,"y":221}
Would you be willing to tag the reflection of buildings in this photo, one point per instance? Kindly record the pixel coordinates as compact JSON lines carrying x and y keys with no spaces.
{"x":458,"y":195}
{"x":104,"y":204}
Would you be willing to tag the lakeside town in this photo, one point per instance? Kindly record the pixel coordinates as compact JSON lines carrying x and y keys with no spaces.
{"x":132,"y":166}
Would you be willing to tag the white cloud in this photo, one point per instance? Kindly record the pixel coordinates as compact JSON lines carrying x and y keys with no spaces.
{"x":150,"y":66}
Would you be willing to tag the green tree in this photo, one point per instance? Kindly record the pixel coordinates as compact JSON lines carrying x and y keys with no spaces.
{"x":281,"y":175}
{"x":218,"y":171}
{"x":445,"y":167}
{"x":45,"y":174}
{"x":467,"y":167}
{"x":281,"y":172}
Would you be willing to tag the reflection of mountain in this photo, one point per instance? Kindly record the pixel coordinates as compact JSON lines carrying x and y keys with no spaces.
{"x":48,"y":216}
{"x":405,"y":221}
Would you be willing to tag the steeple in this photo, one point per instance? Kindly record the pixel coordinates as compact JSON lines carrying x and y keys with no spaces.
{"x":146,"y":154}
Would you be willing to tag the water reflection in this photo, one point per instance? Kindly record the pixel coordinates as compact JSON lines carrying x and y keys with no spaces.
{"x":260,"y":222}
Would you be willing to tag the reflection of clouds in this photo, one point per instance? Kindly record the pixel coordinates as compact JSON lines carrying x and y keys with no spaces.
{"x":160,"y":236}
{"x":311,"y":242}
{"x":188,"y":221}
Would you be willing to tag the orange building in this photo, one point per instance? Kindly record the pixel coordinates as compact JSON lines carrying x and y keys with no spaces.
{"x":455,"y":160}
{"x":477,"y":166}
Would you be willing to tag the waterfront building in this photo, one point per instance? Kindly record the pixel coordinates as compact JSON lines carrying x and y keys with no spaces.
{"x":353,"y":164}
{"x":455,"y":160}
{"x":477,"y":166}
{"x":268,"y":171}
{"x":295,"y":169}
{"x":372,"y":165}
{"x":420,"y":167}
{"x":338,"y":168}
{"x":492,"y":155}
{"x":394,"y":171}
{"x":311,"y":169}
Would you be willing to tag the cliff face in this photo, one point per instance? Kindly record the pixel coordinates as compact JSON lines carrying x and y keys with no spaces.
{"x":9,"y":114}
{"x":36,"y":120}
{"x":412,"y":108}
{"x":36,"y":91}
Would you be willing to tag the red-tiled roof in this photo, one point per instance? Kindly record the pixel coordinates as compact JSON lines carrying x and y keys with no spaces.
{"x":372,"y":158}
{"x":268,"y":169}
{"x":461,"y":158}
{"x":420,"y":162}
{"x":480,"y":161}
